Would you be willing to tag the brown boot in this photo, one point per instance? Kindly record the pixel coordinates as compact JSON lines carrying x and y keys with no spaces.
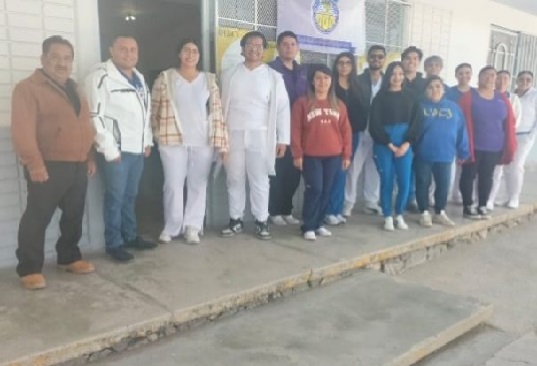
{"x":34,"y":281}
{"x":78,"y":267}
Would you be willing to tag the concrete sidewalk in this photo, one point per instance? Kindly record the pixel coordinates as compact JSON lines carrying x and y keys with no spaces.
{"x":178,"y":286}
{"x":370,"y":319}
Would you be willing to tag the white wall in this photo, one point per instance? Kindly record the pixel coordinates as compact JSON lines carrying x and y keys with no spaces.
{"x":23,"y":26}
{"x":471,"y":22}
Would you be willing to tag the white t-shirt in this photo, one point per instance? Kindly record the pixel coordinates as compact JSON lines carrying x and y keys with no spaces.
{"x":375,"y":88}
{"x":249,"y":99}
{"x":191,"y":103}
{"x":529,"y":112}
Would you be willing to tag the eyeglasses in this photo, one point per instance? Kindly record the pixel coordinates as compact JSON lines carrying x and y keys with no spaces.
{"x":378,"y":57}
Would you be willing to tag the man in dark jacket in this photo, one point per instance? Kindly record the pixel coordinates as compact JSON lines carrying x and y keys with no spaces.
{"x":363,"y":163}
{"x":414,"y":80}
{"x":285,"y":183}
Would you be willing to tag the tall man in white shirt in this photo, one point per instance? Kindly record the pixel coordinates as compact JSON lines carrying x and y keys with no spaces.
{"x":119,"y":103}
{"x":363,"y":164}
{"x":256,"y":109}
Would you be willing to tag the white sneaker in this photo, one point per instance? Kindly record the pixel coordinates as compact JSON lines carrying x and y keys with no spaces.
{"x":512,"y":204}
{"x":342,"y":220}
{"x":278,"y":220}
{"x":425,"y":219}
{"x":291,"y":220}
{"x":400,"y":223}
{"x":388,"y":223}
{"x":164,"y":238}
{"x":323,"y":232}
{"x":347,"y":209}
{"x":331,"y":220}
{"x":192,"y":235}
{"x":443,"y":219}
{"x":309,"y":235}
{"x":490,"y":206}
{"x":372,"y":209}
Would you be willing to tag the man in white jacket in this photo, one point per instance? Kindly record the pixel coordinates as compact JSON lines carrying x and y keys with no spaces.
{"x":119,"y":103}
{"x":525,"y":136}
{"x":256,"y":109}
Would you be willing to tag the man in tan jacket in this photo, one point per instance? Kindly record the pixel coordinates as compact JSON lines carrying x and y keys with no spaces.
{"x":53,"y":138}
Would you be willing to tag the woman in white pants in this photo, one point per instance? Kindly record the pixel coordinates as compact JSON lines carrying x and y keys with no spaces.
{"x":525,"y":135}
{"x":189,"y":127}
{"x":498,"y":192}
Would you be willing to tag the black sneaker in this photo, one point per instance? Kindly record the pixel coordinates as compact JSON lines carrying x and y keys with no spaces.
{"x":119,"y":254}
{"x":235,"y":226}
{"x":471,"y":213}
{"x":140,"y":244}
{"x":412,"y":207}
{"x":484,"y":213}
{"x":262,"y":230}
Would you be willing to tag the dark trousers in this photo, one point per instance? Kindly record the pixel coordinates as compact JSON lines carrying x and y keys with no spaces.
{"x":441,"y":172}
{"x":283,"y":186}
{"x":483,"y":167}
{"x":319,"y":174}
{"x":337,"y":197}
{"x":66,"y":189}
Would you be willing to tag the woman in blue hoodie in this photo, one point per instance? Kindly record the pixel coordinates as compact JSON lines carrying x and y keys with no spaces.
{"x":443,"y":138}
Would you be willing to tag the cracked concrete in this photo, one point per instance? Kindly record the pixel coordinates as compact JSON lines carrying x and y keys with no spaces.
{"x":500,"y":271}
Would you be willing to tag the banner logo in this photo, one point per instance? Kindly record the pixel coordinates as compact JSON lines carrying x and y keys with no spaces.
{"x":325,"y":15}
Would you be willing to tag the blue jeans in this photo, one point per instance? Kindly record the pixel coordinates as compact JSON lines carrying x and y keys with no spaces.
{"x":319,"y":174}
{"x":442,"y":177}
{"x":337,"y":195}
{"x":390,"y":167}
{"x":121,"y":188}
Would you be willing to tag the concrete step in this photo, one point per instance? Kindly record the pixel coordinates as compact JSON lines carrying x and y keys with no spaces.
{"x":473,"y":349}
{"x":487,"y":346}
{"x":369,"y":319}
{"x":178,"y":287}
{"x":522,"y":351}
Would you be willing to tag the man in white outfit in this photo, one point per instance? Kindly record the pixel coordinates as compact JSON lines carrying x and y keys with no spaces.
{"x":525,"y":134}
{"x":256,"y":108}
{"x":363,"y":163}
{"x":498,"y":192}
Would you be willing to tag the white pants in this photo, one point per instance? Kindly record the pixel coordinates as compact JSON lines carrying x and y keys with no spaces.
{"x":192,"y":164}
{"x":363,"y":164}
{"x":456,"y":172}
{"x":508,"y":180}
{"x":247,"y":161}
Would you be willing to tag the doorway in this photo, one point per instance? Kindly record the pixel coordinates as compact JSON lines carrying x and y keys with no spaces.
{"x":158,"y":26}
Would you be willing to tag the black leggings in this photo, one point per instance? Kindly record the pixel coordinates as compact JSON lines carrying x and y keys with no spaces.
{"x":483,"y":166}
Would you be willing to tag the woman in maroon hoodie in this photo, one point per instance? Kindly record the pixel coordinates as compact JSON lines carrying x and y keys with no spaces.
{"x":321,"y":143}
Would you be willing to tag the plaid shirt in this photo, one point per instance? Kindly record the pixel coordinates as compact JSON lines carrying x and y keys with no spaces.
{"x":165,"y":122}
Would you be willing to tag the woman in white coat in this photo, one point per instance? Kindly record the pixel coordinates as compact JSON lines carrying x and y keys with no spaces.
{"x":189,"y":127}
{"x":499,"y":187}
{"x":525,"y":136}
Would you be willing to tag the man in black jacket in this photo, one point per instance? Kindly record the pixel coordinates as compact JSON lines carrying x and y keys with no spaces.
{"x":363,"y":163}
